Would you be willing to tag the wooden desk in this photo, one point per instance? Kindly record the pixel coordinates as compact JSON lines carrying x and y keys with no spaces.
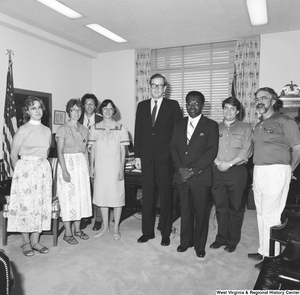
{"x":133,"y":182}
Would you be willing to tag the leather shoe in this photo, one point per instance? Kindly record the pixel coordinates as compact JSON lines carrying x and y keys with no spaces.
{"x":85,"y":222}
{"x":97,"y":225}
{"x":165,"y":241}
{"x":201,"y":253}
{"x":230,"y":248}
{"x":259,"y":265}
{"x":183,"y":249}
{"x":216,"y":245}
{"x":145,"y":238}
{"x":255,"y":256}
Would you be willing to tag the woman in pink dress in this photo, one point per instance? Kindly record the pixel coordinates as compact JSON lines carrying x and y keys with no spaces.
{"x":29,"y":209}
{"x":108,"y":139}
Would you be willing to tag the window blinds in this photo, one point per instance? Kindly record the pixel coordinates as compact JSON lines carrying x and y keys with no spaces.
{"x":208,"y":68}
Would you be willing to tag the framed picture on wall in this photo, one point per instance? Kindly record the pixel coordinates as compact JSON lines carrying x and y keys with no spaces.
{"x":59,"y":117}
{"x":21,"y":95}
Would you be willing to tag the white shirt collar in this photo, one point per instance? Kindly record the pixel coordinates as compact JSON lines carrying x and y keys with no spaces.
{"x":194,"y":120}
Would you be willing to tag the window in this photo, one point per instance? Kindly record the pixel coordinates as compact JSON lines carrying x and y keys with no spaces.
{"x":208,"y":68}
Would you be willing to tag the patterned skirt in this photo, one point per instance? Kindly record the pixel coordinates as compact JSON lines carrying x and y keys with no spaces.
{"x":75,"y":196}
{"x":29,"y":208}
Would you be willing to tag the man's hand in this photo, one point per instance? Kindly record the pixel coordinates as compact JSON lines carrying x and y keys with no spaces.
{"x":137,"y":163}
{"x":224,"y":166}
{"x":185,"y":173}
{"x":121,"y":175}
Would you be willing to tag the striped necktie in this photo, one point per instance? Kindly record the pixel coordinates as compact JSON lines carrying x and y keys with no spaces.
{"x":88,"y":125}
{"x":190,"y":131}
{"x":153,"y":114}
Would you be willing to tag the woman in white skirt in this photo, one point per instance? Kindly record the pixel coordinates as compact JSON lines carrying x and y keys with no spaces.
{"x":73,"y":181}
{"x":31,"y":190}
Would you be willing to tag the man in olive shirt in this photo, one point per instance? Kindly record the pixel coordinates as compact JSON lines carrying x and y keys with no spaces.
{"x":276,"y":155}
{"x":230,"y":175}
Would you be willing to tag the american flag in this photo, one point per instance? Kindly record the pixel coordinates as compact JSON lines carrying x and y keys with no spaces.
{"x":10,"y":119}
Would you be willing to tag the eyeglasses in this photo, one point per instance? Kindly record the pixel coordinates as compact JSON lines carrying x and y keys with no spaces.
{"x":263,"y":98}
{"x":159,"y":86}
{"x":75,"y":110}
{"x":107,"y":109}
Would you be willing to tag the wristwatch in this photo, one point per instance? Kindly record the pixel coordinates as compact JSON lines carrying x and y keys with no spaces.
{"x":230,"y":164}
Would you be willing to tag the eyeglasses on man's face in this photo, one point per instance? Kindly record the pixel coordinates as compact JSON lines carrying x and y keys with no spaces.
{"x":159,"y":86}
{"x":263,"y":98}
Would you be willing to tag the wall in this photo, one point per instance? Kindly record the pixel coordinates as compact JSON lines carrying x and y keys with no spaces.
{"x":114,"y":78}
{"x":280,"y":59}
{"x":280,"y":63}
{"x":41,"y":66}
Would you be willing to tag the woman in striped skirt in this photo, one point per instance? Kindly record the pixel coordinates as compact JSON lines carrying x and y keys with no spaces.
{"x":73,"y":181}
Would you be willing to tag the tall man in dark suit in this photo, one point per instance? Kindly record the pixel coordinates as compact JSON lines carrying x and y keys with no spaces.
{"x":89,"y":118}
{"x":194,"y":147}
{"x":155,"y":119}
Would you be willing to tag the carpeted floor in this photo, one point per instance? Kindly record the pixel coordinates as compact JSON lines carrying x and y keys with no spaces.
{"x":105,"y":266}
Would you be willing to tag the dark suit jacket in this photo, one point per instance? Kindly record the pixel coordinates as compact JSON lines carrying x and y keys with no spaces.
{"x":150,"y":141}
{"x":98,"y":118}
{"x":199,"y":153}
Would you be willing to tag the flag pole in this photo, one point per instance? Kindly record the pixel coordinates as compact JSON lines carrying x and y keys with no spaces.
{"x":10,"y":118}
{"x":9,"y":52}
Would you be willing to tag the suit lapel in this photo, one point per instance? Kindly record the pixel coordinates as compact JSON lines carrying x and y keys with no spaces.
{"x":184,"y":130}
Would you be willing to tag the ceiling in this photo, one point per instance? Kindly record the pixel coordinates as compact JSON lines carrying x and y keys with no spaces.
{"x":153,"y":24}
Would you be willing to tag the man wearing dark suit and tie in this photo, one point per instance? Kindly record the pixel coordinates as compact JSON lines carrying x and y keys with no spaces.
{"x":89,"y":118}
{"x":155,"y":119}
{"x":194,"y":147}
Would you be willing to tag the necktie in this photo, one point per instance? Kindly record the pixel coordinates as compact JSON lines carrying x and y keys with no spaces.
{"x":153,"y":114}
{"x":88,"y":125}
{"x":190,"y":131}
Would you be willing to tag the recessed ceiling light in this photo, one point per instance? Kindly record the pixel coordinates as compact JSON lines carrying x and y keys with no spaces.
{"x":258,"y":12}
{"x":61,"y":8}
{"x":99,"y":29}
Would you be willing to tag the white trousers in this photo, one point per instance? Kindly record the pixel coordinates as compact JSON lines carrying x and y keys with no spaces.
{"x":270,"y":186}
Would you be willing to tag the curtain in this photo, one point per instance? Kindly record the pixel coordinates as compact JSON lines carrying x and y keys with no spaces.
{"x":143,"y":72}
{"x":247,"y":75}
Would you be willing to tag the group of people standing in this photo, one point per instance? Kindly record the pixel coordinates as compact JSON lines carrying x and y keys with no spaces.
{"x":203,"y":157}
{"x":90,"y":154}
{"x":209,"y":159}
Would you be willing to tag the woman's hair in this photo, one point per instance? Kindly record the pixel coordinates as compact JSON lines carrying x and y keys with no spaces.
{"x":105,"y":103}
{"x":29,"y":102}
{"x":73,"y":102}
{"x":236,"y":103}
{"x":232,"y":101}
